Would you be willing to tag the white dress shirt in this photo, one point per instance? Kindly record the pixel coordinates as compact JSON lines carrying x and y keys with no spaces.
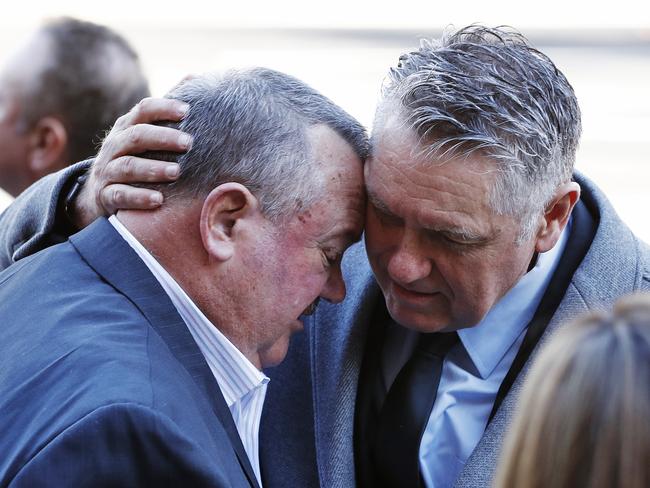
{"x":472,"y":371}
{"x":243,"y":386}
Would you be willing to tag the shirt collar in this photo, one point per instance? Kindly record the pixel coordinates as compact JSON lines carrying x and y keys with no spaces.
{"x":487,"y":342}
{"x":234,"y":373}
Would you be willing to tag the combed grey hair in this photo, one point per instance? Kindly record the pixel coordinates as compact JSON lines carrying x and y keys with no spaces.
{"x":486,"y":91}
{"x":250,"y":127}
{"x":91,"y":78}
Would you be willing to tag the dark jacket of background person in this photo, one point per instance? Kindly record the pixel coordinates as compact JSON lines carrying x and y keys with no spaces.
{"x":310,"y":406}
{"x":583,"y":416}
{"x":125,"y":366}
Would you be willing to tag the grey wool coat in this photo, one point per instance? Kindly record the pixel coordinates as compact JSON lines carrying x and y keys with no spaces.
{"x":307,"y":425}
{"x":320,"y":375}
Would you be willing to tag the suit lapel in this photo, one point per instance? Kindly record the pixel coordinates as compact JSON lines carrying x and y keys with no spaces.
{"x":112,"y":258}
{"x":337,"y":341}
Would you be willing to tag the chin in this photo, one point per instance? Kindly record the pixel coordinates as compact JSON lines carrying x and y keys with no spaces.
{"x":275,"y":353}
{"x":418,"y":320}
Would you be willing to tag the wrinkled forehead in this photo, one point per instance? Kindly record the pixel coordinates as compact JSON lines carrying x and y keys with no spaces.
{"x":400,"y":164}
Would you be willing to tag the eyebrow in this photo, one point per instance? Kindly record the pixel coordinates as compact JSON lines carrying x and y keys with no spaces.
{"x":381,"y":206}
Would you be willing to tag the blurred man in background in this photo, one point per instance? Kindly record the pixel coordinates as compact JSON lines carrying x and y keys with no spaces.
{"x":59,"y":92}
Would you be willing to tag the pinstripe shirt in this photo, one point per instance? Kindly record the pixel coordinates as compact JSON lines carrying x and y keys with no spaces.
{"x":243,"y":385}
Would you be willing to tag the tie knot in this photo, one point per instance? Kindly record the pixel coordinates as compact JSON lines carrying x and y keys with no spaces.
{"x":437,"y":343}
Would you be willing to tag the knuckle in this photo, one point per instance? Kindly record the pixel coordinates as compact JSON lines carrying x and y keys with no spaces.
{"x":114,"y":197}
{"x":127,"y":166}
{"x":142,"y":106}
{"x":121,"y":122}
{"x":134,"y":137}
{"x":118,"y":197}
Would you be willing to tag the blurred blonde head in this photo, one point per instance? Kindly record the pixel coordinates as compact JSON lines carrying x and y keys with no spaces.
{"x":584,"y":416}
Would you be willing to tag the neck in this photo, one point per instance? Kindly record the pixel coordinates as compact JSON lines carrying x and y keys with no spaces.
{"x":175,"y":242}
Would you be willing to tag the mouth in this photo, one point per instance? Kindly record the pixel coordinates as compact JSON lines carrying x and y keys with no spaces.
{"x":311,"y":308}
{"x":413,"y":296}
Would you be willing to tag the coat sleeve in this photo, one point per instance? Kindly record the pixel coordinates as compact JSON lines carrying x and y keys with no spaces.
{"x":36,"y":219}
{"x":121,"y":445}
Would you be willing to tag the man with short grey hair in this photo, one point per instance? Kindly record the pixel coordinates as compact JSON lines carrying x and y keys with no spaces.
{"x":59,"y":94}
{"x":139,"y":361}
{"x":480,"y":241}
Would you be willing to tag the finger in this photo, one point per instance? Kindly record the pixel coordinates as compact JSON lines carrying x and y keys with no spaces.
{"x":115,"y":197}
{"x":150,"y":110}
{"x":132,"y":169}
{"x":144,"y":137}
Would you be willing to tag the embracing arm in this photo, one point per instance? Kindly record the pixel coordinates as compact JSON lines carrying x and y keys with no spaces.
{"x":37,"y":219}
{"x":34,"y":221}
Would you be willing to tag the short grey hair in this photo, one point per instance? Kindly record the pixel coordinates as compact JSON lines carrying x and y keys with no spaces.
{"x":250,"y":127}
{"x":487,"y":91}
{"x":92,"y":76}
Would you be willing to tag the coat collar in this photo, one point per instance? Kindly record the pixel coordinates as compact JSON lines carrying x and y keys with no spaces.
{"x":113,"y":259}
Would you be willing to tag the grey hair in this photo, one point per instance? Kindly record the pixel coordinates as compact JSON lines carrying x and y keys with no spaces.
{"x":92,"y":77}
{"x":487,"y":91}
{"x":250,"y":127}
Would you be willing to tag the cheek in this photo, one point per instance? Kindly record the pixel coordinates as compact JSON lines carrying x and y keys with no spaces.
{"x":470,"y":278}
{"x":480,"y":281}
{"x":305,"y":283}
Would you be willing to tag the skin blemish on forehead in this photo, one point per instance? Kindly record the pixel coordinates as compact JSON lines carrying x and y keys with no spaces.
{"x":303,"y":217}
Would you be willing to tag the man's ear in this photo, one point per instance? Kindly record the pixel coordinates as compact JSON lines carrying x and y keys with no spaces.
{"x":47,"y":147}
{"x":224,"y":210}
{"x":557,"y":215}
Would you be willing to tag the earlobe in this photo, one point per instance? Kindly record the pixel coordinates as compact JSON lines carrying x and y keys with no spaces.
{"x":224,"y":212}
{"x":557,"y":216}
{"x":47,"y":147}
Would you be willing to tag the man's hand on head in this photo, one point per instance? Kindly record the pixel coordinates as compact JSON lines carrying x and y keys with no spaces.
{"x":117,"y":166}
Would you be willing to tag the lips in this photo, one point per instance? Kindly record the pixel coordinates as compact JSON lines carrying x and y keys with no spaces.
{"x":311,"y":308}
{"x":412,"y":296}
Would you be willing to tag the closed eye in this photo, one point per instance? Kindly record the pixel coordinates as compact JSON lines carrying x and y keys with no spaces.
{"x":462,"y":239}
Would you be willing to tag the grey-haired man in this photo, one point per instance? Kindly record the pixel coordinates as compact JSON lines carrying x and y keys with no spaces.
{"x":479,"y":242}
{"x":132,"y":353}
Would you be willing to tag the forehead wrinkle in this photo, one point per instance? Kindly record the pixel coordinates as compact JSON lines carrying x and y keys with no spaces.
{"x":444,"y":185}
{"x":455,"y":197}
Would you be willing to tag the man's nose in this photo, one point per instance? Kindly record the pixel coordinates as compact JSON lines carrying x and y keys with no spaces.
{"x":334,"y":290}
{"x":410,"y":261}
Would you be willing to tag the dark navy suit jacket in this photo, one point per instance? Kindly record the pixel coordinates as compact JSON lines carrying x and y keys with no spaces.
{"x":101,"y":383}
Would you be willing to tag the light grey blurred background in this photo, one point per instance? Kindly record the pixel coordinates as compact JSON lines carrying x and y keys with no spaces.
{"x":345,"y":48}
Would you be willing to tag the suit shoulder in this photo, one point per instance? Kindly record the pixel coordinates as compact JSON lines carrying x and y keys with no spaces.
{"x":123,"y":444}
